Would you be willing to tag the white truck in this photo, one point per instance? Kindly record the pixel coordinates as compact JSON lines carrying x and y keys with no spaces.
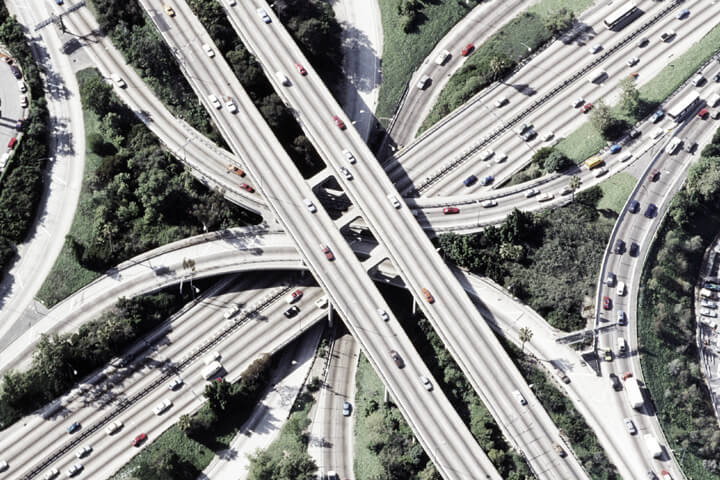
{"x":211,"y":369}
{"x":652,"y":445}
{"x":633,"y":393}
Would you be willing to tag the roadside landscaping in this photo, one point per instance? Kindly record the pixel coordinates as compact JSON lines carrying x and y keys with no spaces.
{"x":667,"y":320}
{"x":21,"y":184}
{"x":432,"y":20}
{"x":60,"y":360}
{"x":135,"y":196}
{"x":501,"y":53}
{"x":186,"y":448}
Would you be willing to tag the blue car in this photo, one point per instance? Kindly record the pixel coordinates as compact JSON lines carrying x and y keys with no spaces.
{"x":74,"y":427}
{"x":615,"y":148}
{"x":657,"y":116}
{"x":683,"y":13}
{"x":470,"y":180}
{"x":487,"y":180}
{"x":651,"y":210}
{"x":634,"y":206}
{"x":59,"y":2}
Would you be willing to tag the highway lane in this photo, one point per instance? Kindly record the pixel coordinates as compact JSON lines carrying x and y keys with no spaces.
{"x":424,"y":157}
{"x":204,"y":159}
{"x":274,"y":174}
{"x":186,"y":336}
{"x":470,"y":341}
{"x":628,"y":269}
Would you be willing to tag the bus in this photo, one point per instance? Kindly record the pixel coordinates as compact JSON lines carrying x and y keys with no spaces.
{"x":684,"y":106}
{"x":593,"y":162}
{"x":620,"y":17}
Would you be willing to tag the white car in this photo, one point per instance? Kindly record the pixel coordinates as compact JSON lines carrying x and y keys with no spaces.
{"x":631,"y":62}
{"x":500,"y":157}
{"x":500,"y":102}
{"x":422,"y":83}
{"x":382,"y":314}
{"x":162,"y":406}
{"x":708,"y":313}
{"x":263,"y":14}
{"x":117,"y":79}
{"x":579,"y":102}
{"x":426,"y":382}
{"x":545,"y":197}
{"x":230,"y":311}
{"x":23,"y":101}
{"x":394,"y":201}
{"x":213,"y":357}
{"x":21,"y":86}
{"x":175,"y":383}
{"x":595,"y":48}
{"x":532,"y":192}
{"x":230,"y":104}
{"x":52,"y":473}
{"x":626,"y":156}
{"x":4,"y":465}
{"x":349,"y":156}
{"x":321,"y":302}
{"x":83,"y":451}
{"x":442,"y":57}
{"x":310,"y":205}
{"x":214,"y":101}
{"x":673,"y":145}
{"x":518,"y":396}
{"x":346,"y":173}
{"x":708,"y":304}
{"x":208,"y":49}
{"x":231,"y":3}
{"x":630,"y":426}
{"x":566,"y":190}
{"x":114,"y":427}
{"x":600,"y":172}
{"x":657,"y":133}
{"x":486,"y":154}
{"x":549,"y":136}
{"x":489,"y":203}
{"x":620,"y":289}
{"x":74,"y":470}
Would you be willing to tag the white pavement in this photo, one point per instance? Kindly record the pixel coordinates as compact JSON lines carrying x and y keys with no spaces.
{"x":362,"y":43}
{"x":269,"y":415}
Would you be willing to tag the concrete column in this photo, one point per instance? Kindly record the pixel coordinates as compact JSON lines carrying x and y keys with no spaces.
{"x":330,"y":314}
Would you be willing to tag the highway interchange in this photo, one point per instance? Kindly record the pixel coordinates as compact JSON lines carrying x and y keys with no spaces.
{"x":370,"y":199}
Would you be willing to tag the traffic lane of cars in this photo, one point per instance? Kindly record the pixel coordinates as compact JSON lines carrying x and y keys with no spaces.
{"x":13,"y":103}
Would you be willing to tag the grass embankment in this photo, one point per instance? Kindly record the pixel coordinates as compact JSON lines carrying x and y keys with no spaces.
{"x":500,"y":54}
{"x":135,"y":196}
{"x":586,"y":140}
{"x":667,"y":322}
{"x":404,"y":52}
{"x":21,"y":184}
{"x":186,"y":448}
{"x":615,"y":192}
{"x":549,"y":259}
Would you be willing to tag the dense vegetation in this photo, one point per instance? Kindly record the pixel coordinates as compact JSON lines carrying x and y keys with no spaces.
{"x":666,"y":318}
{"x":250,"y":74}
{"x":134,"y":34}
{"x":138,"y":198}
{"x":61,"y":360}
{"x":581,"y":437}
{"x":186,"y":448}
{"x":497,"y":57}
{"x":22,"y":180}
{"x":548,"y":260}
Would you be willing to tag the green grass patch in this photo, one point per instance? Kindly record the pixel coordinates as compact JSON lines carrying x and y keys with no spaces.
{"x":403,"y":53}
{"x":615,"y":192}
{"x":548,"y":8}
{"x":581,"y":143}
{"x":369,"y":393}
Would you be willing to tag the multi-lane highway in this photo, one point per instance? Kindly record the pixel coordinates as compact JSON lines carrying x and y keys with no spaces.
{"x":319,"y":242}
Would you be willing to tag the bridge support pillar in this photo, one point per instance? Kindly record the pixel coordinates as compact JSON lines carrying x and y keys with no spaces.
{"x":414,"y":306}
{"x":330,"y":315}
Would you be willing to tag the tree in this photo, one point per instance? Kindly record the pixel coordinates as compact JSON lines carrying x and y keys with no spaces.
{"x":525,"y":335}
{"x":219,"y":395}
{"x":559,"y":21}
{"x":97,"y":95}
{"x":185,"y":423}
{"x":574,"y":184}
{"x":498,"y":65}
{"x":601,"y":117}
{"x":630,"y":97}
{"x":557,"y":161}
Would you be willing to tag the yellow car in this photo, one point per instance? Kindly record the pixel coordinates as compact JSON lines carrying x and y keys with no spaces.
{"x":169,"y":10}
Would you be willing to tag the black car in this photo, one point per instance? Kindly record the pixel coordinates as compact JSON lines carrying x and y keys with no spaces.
{"x":651,"y":210}
{"x":717,"y":77}
{"x":292,"y":311}
{"x":634,"y":206}
{"x":615,"y":382}
{"x":634,"y":248}
{"x":16,"y":71}
{"x":619,"y":247}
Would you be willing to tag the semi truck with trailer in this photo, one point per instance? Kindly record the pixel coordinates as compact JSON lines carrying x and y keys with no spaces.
{"x":634,"y":394}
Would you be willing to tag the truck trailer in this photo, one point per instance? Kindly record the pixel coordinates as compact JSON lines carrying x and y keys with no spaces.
{"x":634,"y":394}
{"x":652,"y":445}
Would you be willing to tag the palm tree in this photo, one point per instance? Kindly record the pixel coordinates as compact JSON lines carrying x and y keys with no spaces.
{"x":574,"y":184}
{"x":525,"y":335}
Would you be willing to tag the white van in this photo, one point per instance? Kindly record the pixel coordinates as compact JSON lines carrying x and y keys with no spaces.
{"x":282,"y":78}
{"x":621,"y":288}
{"x":310,"y":205}
{"x":209,"y":371}
{"x":713,"y":100}
{"x":597,"y":76}
{"x":698,"y":79}
{"x":621,"y":346}
{"x":331,"y":475}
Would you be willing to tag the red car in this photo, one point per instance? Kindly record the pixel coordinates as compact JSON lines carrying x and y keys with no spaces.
{"x":328,"y":254}
{"x":247,"y":187}
{"x":450,"y":210}
{"x":467,"y":49}
{"x":586,"y":108}
{"x":340,"y":124}
{"x":137,"y":441}
{"x":666,"y":475}
{"x":300,"y":69}
{"x":428,"y":296}
{"x":235,"y":170}
{"x":654,"y":174}
{"x":626,"y":375}
{"x":606,"y":303}
{"x":703,"y":113}
{"x":295,"y":296}
{"x":12,"y":142}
